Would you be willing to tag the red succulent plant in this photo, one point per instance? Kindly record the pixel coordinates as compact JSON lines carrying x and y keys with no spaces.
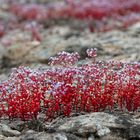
{"x":63,"y":89}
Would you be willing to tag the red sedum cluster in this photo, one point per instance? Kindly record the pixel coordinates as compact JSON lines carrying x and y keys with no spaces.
{"x":65,"y":89}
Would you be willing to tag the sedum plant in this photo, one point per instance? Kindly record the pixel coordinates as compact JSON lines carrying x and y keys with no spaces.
{"x":66,"y":88}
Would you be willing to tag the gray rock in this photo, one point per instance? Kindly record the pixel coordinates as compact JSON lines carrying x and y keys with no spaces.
{"x":135,"y":132}
{"x":50,"y":136}
{"x":60,"y":137}
{"x":91,"y":137}
{"x":117,"y":45}
{"x":2,"y":137}
{"x":44,"y":136}
{"x":102,"y":130}
{"x":98,"y":124}
{"x":12,"y":138}
{"x":7,"y":131}
{"x":3,"y":77}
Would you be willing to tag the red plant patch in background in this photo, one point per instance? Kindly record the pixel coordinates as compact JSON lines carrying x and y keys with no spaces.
{"x":105,"y":14}
{"x":2,"y":30}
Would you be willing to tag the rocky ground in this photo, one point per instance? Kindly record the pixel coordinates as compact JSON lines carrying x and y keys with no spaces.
{"x":93,"y":126}
{"x":122,"y":45}
{"x":115,"y":44}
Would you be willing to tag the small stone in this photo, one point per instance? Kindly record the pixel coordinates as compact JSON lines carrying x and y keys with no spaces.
{"x":91,"y":137}
{"x":60,"y":137}
{"x":102,"y":130}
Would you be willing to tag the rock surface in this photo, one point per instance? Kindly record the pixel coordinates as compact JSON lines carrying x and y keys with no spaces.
{"x":119,"y":45}
{"x":93,"y":126}
{"x":7,"y":131}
